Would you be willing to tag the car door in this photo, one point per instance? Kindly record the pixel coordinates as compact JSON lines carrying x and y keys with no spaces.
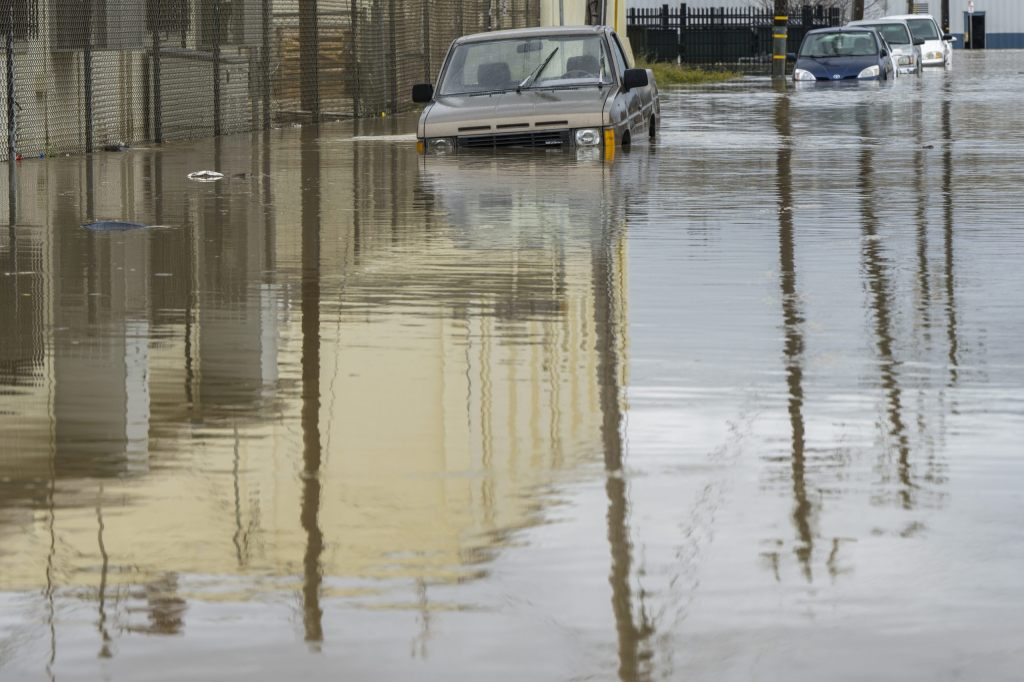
{"x":631,"y":101}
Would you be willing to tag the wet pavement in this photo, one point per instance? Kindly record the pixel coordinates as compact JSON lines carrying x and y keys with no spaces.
{"x":743,"y":405}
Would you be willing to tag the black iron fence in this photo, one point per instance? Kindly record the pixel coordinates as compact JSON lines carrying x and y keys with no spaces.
{"x":728,"y":36}
{"x":84,"y":75}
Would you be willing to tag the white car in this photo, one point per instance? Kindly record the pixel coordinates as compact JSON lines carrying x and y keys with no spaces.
{"x":938,"y":46}
{"x":905,"y":50}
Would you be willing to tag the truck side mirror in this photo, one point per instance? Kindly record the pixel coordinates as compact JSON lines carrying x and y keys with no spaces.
{"x":918,"y":42}
{"x":948,"y":37}
{"x":635,"y":78}
{"x":791,"y":56}
{"x":422,"y":93}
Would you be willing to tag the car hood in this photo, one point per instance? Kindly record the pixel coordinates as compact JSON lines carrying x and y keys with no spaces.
{"x":830,"y":67}
{"x":575,"y":108}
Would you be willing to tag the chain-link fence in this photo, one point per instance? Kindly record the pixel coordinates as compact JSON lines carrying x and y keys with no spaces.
{"x":81,"y":75}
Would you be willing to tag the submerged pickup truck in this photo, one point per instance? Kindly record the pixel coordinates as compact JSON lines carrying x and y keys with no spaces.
{"x":568,"y":87}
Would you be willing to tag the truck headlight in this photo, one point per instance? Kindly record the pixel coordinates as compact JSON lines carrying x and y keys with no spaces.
{"x":441,"y":145}
{"x":870,"y":72}
{"x":588,"y":137}
{"x":802,"y":75}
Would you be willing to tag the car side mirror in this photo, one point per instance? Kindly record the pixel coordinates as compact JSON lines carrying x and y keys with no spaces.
{"x":635,"y":78}
{"x":883,"y":53}
{"x":918,"y":42}
{"x":422,"y":93}
{"x":791,"y":56}
{"x":949,"y":37}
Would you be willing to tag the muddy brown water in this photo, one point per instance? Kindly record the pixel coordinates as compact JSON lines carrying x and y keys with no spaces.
{"x":744,"y":405}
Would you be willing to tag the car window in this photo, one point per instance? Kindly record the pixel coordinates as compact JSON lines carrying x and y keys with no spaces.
{"x":894,"y":34}
{"x":923,"y":29}
{"x":497,"y":65}
{"x":845,"y":44}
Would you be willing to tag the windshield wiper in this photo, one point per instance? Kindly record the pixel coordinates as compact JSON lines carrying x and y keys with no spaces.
{"x":528,"y":81}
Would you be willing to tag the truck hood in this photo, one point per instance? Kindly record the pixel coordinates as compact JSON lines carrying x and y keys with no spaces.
{"x":566,"y":108}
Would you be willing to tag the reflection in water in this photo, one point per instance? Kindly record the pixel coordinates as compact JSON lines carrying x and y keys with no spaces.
{"x":947,"y":223}
{"x":607,"y":316}
{"x":311,"y":455}
{"x":880,"y":303}
{"x":793,"y":325}
{"x":371,"y":405}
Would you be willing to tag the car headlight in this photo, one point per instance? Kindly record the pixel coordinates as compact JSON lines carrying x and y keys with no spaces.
{"x":441,"y":145}
{"x":802,"y":75}
{"x":870,"y":72}
{"x":906,"y":61}
{"x":588,"y":137}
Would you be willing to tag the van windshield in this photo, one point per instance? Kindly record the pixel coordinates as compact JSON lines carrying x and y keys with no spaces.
{"x":923,"y":29}
{"x":499,"y":65}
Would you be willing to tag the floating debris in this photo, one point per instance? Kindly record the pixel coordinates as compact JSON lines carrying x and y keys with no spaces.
{"x":112,"y":226}
{"x":205,"y":176}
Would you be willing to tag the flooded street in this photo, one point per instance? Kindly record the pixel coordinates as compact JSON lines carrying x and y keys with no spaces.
{"x":747,"y":404}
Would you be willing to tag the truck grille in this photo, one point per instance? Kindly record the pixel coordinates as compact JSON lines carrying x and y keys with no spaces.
{"x":538,"y":138}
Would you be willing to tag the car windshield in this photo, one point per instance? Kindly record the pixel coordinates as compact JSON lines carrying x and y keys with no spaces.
{"x":497,"y":65}
{"x":923,"y":29}
{"x":894,"y":34}
{"x":846,"y":44}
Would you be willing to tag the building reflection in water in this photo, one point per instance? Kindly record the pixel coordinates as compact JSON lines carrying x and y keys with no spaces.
{"x":358,"y":369}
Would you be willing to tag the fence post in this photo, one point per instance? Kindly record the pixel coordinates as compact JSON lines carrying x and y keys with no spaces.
{"x":87,"y":74}
{"x":12,"y":130}
{"x":216,"y":67}
{"x":12,"y":193}
{"x":266,"y":63}
{"x":309,"y":55}
{"x":426,"y":41}
{"x":664,"y":17}
{"x":780,"y":39}
{"x":356,"y":54}
{"x":158,"y":132}
{"x":393,"y":67}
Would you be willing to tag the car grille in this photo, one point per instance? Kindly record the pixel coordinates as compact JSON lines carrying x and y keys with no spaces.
{"x":833,"y":80}
{"x":538,"y":138}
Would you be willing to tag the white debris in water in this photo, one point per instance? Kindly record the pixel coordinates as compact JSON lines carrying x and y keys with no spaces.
{"x":205,"y":176}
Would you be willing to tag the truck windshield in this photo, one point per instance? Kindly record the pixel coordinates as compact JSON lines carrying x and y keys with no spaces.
{"x":499,"y":65}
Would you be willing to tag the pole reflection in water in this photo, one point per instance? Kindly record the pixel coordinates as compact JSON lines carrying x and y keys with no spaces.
{"x":880,"y":303}
{"x":631,"y":635}
{"x":948,"y":235}
{"x":793,"y":331}
{"x":311,"y":453}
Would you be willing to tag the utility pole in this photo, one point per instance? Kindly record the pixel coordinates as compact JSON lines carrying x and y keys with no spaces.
{"x":945,"y":16}
{"x":780,"y":36}
{"x":858,"y":10}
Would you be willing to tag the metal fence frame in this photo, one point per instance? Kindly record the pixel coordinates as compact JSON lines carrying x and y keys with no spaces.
{"x":87,"y":75}
{"x":719,"y":36}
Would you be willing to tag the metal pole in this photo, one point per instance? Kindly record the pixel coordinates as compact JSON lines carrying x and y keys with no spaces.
{"x":216,"y":67}
{"x":12,"y":194}
{"x":780,"y":36}
{"x":158,"y":132}
{"x":561,"y":12}
{"x":309,"y":56}
{"x":266,"y":64}
{"x":356,"y":54}
{"x":945,"y":16}
{"x":87,"y":68}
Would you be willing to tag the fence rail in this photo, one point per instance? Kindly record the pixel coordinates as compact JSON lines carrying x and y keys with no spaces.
{"x":719,"y":35}
{"x":83,"y":75}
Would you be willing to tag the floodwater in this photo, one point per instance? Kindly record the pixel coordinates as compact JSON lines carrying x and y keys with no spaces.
{"x":744,"y":405}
